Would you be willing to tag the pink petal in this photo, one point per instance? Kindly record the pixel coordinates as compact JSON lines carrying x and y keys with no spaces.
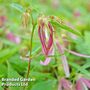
{"x":79,"y":85}
{"x":48,"y":59}
{"x":50,"y":41}
{"x":63,"y":58}
{"x":78,"y":54}
{"x":82,"y":83}
{"x":60,"y":47}
{"x":64,"y":84}
{"x":42,"y":41}
{"x":17,"y":40}
{"x":46,"y":62}
{"x":45,"y":46}
{"x":65,"y":65}
{"x":77,"y":13}
{"x":87,"y":82}
{"x":10,"y":36}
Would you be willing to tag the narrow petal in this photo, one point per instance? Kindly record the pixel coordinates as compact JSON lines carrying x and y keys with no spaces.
{"x":79,"y":85}
{"x":60,"y":85}
{"x":42,"y":41}
{"x":78,"y":54}
{"x":83,"y":84}
{"x":87,"y":82}
{"x":64,"y":84}
{"x":10,"y":36}
{"x":60,"y":47}
{"x":17,"y":40}
{"x":50,"y":41}
{"x":48,"y":59}
{"x":65,"y":65}
{"x":46,"y":46}
{"x":63,"y":58}
{"x":46,"y":62}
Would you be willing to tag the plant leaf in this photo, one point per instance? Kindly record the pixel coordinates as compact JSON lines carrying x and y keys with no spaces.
{"x":17,"y":7}
{"x":44,"y":85}
{"x":67,"y":28}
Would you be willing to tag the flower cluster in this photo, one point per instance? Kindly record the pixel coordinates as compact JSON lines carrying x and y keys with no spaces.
{"x":45,"y":31}
{"x":46,"y":35}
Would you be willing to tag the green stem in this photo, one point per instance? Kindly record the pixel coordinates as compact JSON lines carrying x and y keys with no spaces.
{"x":30,"y":51}
{"x":29,"y":63}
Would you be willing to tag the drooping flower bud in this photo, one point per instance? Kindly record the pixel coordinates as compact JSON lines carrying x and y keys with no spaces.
{"x":76,"y":14}
{"x":25,"y":19}
{"x":45,"y":31}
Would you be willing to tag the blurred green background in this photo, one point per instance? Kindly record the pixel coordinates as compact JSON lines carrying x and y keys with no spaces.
{"x":75,"y":13}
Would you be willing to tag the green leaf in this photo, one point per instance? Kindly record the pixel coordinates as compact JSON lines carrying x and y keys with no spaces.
{"x":1,"y":30}
{"x":67,"y":28}
{"x":7,"y":53}
{"x":13,"y":74}
{"x":86,"y":65}
{"x":7,"y":42}
{"x":79,"y":68}
{"x":45,"y":85}
{"x":0,"y":86}
{"x":18,"y":64}
{"x":3,"y":70}
{"x":17,"y":7}
{"x":83,"y":45}
{"x":40,"y":75}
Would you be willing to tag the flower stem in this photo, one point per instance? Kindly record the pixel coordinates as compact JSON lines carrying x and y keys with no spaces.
{"x":29,"y":62}
{"x":30,"y":52}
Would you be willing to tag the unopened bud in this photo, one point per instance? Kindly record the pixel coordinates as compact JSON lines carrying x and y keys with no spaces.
{"x":25,"y":19}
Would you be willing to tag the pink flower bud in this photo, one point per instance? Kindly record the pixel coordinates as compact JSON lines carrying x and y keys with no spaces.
{"x":77,"y":13}
{"x":46,"y":44}
{"x":10,"y":36}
